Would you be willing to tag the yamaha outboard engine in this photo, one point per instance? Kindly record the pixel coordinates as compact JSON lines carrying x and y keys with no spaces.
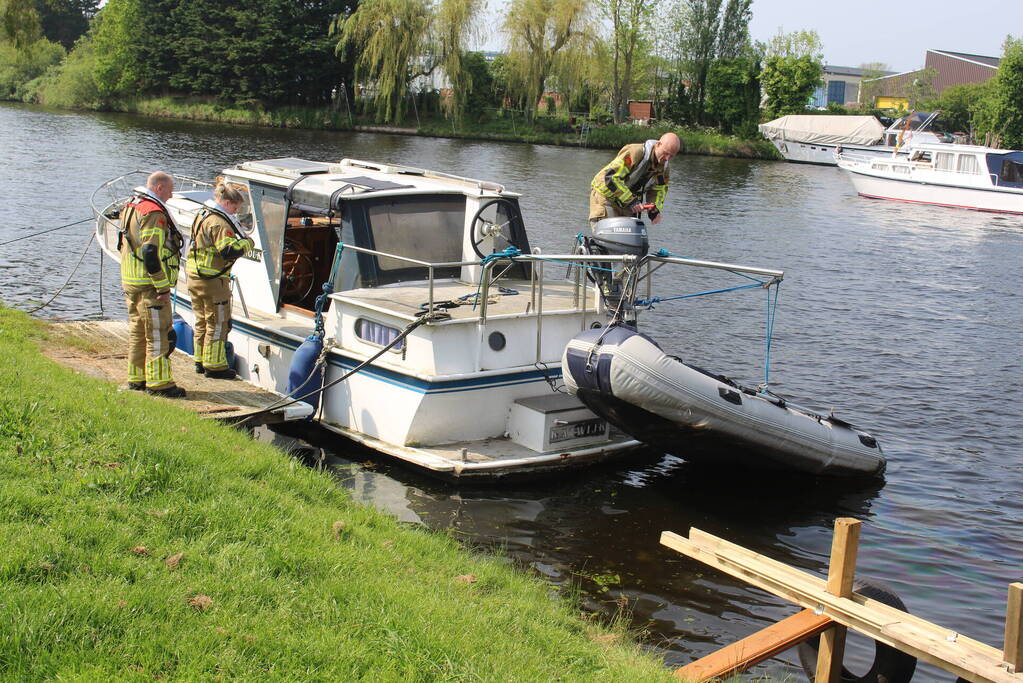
{"x":618,"y":236}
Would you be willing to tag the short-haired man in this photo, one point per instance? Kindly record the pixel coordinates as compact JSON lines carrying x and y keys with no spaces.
{"x":640,"y":171}
{"x":150,"y":247}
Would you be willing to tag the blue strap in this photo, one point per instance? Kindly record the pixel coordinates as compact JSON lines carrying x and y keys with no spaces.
{"x":328,"y":289}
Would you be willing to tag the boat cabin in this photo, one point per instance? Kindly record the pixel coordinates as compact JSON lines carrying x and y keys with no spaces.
{"x":298,"y":212}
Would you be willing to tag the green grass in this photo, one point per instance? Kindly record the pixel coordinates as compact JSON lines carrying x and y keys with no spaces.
{"x":99,"y":488}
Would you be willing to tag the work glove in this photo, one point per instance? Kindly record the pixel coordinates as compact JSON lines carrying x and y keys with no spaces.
{"x":653,"y":213}
{"x":635,"y":207}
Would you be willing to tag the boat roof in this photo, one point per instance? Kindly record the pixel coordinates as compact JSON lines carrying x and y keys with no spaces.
{"x":954,"y":147}
{"x":325,"y":185}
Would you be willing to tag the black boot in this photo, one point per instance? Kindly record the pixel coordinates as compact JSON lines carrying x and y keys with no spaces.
{"x":199,"y":369}
{"x":173,"y":392}
{"x":137,"y":386}
{"x":222,"y":374}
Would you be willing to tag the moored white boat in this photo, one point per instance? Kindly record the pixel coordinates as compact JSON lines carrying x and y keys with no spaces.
{"x":439,"y":334}
{"x":958,"y":176}
{"x":818,"y":138}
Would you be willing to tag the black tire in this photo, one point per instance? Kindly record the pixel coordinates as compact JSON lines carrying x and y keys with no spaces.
{"x":890,"y":664}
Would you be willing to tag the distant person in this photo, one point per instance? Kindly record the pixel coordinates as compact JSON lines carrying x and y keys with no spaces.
{"x":150,"y":247}
{"x":637,"y":176}
{"x":217,"y":242}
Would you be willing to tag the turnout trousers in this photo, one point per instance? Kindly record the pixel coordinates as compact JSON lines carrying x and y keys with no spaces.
{"x":150,"y":337}
{"x":211,"y":303}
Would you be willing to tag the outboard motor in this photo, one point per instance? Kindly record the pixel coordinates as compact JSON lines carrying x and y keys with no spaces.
{"x":617,"y":236}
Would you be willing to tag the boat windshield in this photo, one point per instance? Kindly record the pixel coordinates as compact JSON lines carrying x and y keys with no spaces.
{"x":1008,"y":168}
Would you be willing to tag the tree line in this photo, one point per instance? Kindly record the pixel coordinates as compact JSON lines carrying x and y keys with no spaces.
{"x":694,"y":58}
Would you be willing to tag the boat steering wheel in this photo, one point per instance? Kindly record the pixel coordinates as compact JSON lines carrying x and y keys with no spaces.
{"x":481,"y":228}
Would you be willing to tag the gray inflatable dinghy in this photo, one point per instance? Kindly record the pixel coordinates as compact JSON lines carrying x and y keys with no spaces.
{"x":626,"y":378}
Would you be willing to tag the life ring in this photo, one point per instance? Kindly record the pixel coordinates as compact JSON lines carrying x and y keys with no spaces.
{"x":890,"y":664}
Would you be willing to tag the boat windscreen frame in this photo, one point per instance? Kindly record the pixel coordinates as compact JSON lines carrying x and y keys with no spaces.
{"x":271,"y":241}
{"x":996,"y":164}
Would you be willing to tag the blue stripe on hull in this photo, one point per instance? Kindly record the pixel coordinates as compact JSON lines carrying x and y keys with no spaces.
{"x":391,"y":377}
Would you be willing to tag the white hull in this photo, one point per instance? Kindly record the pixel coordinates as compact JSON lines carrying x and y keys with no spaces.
{"x":821,"y":154}
{"x":977,"y":199}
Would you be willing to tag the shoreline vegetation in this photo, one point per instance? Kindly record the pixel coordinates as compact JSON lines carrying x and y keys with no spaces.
{"x":144,"y":542}
{"x":543,"y":130}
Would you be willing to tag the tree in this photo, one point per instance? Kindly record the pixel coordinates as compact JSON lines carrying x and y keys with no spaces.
{"x":1009,"y":94}
{"x":397,"y":41}
{"x":539,"y":33}
{"x":870,"y":87}
{"x":793,"y":70}
{"x":733,"y":36}
{"x":481,"y":95}
{"x":630,"y":22}
{"x":65,"y":21}
{"x":733,"y":94}
{"x":19,"y":22}
{"x":698,"y":38}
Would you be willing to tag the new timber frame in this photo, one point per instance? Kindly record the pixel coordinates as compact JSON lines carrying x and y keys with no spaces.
{"x":831,"y":607}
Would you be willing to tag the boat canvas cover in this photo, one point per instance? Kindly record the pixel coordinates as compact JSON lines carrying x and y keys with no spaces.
{"x":827,"y":130}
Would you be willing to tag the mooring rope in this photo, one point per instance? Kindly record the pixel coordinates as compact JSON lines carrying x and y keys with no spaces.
{"x":68,"y":281}
{"x":43,"y":232}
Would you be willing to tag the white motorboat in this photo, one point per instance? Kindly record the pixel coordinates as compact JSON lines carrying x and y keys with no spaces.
{"x":705,"y":418}
{"x":959,"y":176}
{"x":408,"y":307}
{"x":816,"y":139}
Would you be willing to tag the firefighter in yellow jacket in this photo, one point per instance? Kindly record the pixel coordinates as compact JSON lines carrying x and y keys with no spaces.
{"x":638,"y":173}
{"x":217,"y":242}
{"x":150,"y":248}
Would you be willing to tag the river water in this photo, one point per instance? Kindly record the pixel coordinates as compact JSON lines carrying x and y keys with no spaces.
{"x":904,"y":319}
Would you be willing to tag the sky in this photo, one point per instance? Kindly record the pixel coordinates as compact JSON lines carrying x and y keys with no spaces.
{"x":895,"y":33}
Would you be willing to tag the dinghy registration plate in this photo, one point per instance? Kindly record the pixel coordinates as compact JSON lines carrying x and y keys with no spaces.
{"x":578,"y":430}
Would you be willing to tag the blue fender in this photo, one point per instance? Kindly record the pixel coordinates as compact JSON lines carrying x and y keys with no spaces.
{"x":184,"y":335}
{"x":304,"y":375}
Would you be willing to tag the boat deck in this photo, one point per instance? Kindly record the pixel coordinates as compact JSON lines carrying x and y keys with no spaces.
{"x":97,"y":349}
{"x":512,"y":299}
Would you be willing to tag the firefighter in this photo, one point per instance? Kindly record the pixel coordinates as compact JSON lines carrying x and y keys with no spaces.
{"x":150,"y":247}
{"x":638,"y":173}
{"x":217,"y":242}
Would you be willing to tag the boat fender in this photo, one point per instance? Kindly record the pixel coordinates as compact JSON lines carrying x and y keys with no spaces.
{"x":890,"y":664}
{"x":305,"y":375}
{"x":184,"y":335}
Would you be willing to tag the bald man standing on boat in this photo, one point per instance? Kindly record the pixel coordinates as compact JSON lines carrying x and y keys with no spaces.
{"x":150,"y":247}
{"x":635,"y":180}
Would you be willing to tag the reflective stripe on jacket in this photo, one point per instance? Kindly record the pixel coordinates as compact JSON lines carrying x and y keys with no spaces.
{"x":632,"y":174}
{"x":145,"y":222}
{"x":212,"y":234}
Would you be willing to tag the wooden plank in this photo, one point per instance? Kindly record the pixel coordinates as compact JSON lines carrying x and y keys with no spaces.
{"x":841,"y":570}
{"x":928,"y":642}
{"x":1013,"y":651}
{"x":755,"y":648}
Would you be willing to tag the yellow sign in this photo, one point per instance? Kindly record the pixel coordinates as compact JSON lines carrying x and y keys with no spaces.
{"x":885,"y":102}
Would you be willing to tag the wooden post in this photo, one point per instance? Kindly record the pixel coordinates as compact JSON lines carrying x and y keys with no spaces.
{"x":1013,"y":651}
{"x":841,"y":571}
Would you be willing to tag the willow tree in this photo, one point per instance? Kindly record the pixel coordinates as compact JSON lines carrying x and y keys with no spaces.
{"x":540,"y":33}
{"x":19,"y":22}
{"x":398,"y":41}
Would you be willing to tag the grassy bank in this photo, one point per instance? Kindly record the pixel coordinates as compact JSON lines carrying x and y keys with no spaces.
{"x":142,"y":542}
{"x":542,"y":131}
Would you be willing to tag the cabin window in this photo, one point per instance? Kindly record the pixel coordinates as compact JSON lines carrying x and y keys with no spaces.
{"x":1012,"y":172}
{"x":922,"y":157}
{"x":944,"y":161}
{"x":968,"y":164}
{"x":376,"y":334}
{"x":904,"y":170}
{"x":425,"y":228}
{"x":879,"y":167}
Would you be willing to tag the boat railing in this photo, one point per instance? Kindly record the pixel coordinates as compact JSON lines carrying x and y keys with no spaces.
{"x":864,"y":158}
{"x":582,"y":289}
{"x":109,"y":198}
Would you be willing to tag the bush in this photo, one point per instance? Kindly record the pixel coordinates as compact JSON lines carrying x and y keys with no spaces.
{"x":19,"y":67}
{"x":71,"y":85}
